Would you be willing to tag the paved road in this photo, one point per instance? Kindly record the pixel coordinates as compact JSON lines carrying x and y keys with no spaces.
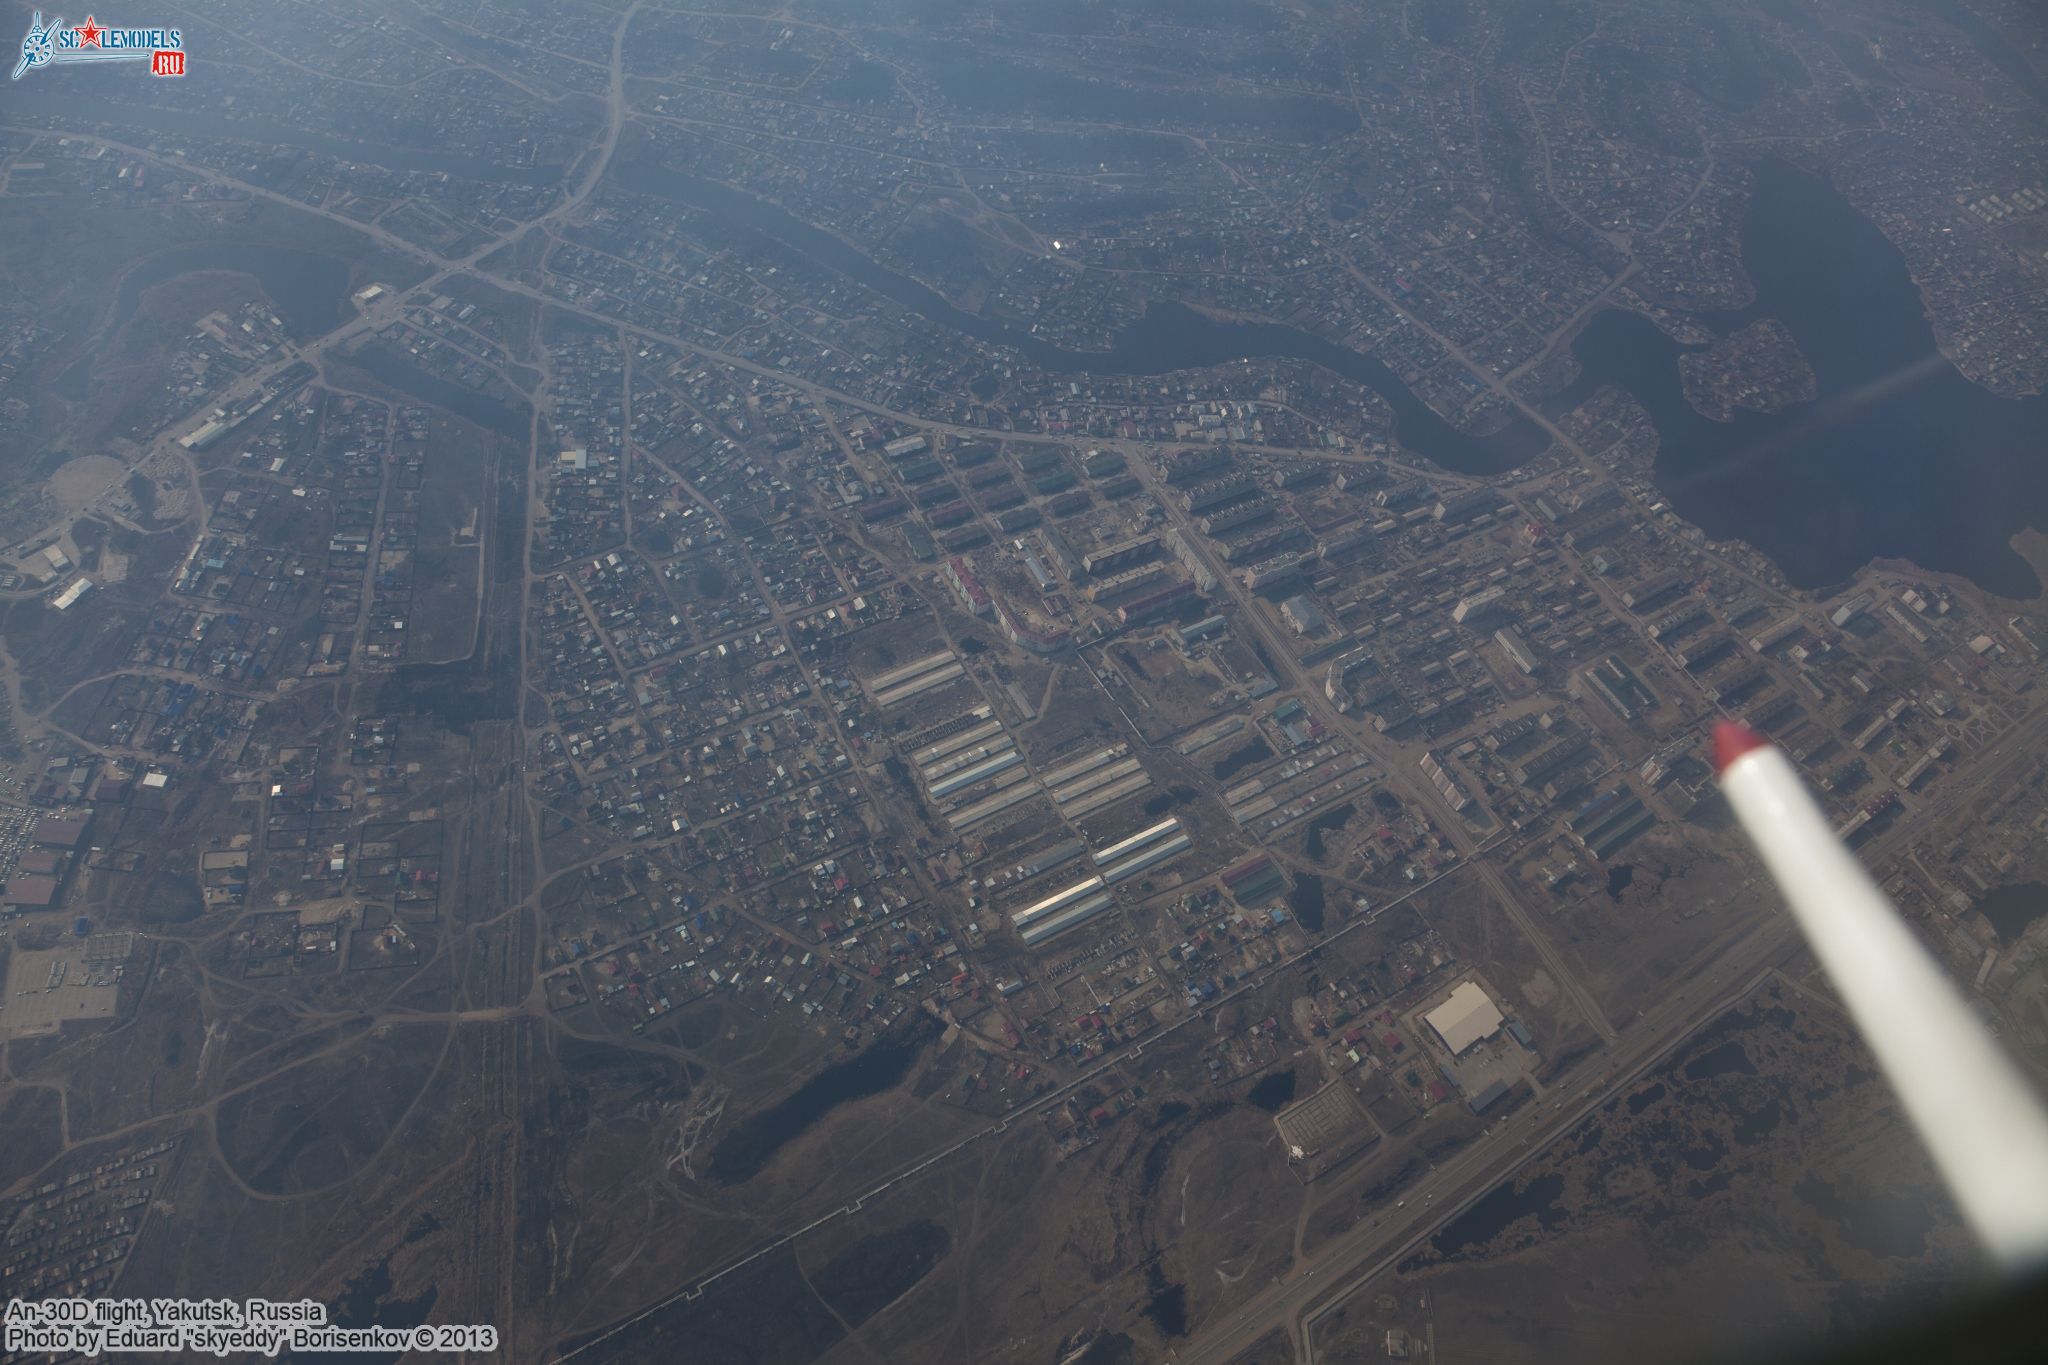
{"x":1318,"y":1287}
{"x":1320,"y":1284}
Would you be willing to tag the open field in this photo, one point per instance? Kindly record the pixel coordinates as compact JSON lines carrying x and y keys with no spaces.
{"x":1747,"y":1170}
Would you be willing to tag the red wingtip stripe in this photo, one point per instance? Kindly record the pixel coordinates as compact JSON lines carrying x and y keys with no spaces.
{"x":1733,"y":739}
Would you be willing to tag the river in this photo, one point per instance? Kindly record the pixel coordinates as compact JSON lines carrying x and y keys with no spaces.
{"x":1168,"y":337}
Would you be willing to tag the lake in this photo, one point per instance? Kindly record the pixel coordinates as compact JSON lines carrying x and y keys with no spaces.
{"x":2012,"y":908}
{"x":747,"y":1146}
{"x":1898,"y":456}
{"x":308,"y":289}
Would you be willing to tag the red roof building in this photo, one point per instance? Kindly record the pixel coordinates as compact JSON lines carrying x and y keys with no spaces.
{"x":968,"y":585}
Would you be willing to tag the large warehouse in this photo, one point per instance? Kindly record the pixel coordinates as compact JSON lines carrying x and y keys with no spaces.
{"x":1466,"y":1018}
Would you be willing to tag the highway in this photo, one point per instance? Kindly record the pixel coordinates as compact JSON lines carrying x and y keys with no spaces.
{"x":1320,"y":1283}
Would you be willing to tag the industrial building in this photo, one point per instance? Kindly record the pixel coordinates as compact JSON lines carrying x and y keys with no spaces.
{"x":1057,"y":901}
{"x":1123,"y":848}
{"x":1146,"y":860}
{"x":1254,"y":881}
{"x":1062,"y":910}
{"x":1467,"y":1018}
{"x":981,"y":771}
{"x":901,"y":684}
{"x":1065,"y":920}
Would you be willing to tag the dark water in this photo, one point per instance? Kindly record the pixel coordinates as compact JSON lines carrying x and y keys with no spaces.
{"x":1168,"y":1113}
{"x":1729,"y":1059}
{"x":2012,"y":908}
{"x":1168,"y":799}
{"x":1306,"y":900}
{"x":367,"y":1302}
{"x":747,"y":1148}
{"x":1706,"y":1154}
{"x":1238,"y":759}
{"x":398,"y":371}
{"x":1168,"y":1310}
{"x":1643,"y":1099}
{"x":1273,"y":1091}
{"x":1754,"y":1127}
{"x":150,"y":123}
{"x":1168,"y":337}
{"x":308,"y":289}
{"x":1899,"y":456}
{"x":1322,"y":824}
{"x":1490,"y":1217}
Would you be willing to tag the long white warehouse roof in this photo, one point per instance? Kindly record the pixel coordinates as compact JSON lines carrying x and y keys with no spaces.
{"x":1138,"y":840}
{"x":989,"y":768}
{"x":1151,"y":857}
{"x":1056,"y":901}
{"x":902,"y":692}
{"x":1065,"y":920}
{"x":882,"y":682}
{"x":1067,"y":772}
{"x":933,"y":752}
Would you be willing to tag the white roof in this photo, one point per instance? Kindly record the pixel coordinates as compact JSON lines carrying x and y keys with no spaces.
{"x":1465,"y":1018}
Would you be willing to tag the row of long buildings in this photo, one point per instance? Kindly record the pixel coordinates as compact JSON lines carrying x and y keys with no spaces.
{"x":1081,"y":901}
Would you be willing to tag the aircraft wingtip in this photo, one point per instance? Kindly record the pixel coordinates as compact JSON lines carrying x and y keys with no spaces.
{"x":1733,"y":739}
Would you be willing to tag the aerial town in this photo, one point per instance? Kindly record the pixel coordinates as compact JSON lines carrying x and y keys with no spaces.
{"x":677,"y":676}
